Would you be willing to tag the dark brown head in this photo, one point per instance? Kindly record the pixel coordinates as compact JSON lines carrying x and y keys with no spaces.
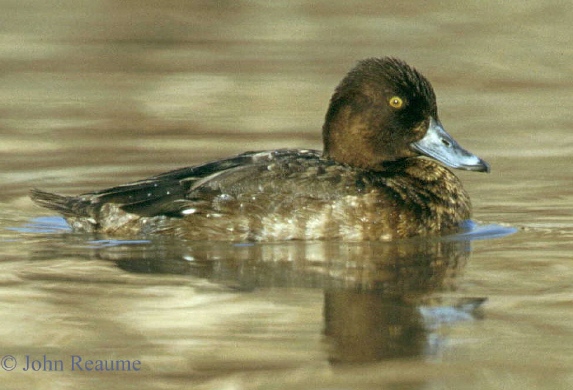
{"x":384,"y":110}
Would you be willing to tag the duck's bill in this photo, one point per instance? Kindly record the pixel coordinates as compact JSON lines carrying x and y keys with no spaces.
{"x":440,"y":146}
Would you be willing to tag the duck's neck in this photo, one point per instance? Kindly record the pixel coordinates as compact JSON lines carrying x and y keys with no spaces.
{"x":350,"y":140}
{"x":359,"y":151}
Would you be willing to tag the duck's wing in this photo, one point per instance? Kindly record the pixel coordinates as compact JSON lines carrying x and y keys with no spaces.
{"x":174,"y":192}
{"x":171,"y":192}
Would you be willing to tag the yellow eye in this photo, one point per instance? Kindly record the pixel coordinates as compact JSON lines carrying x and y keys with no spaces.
{"x":396,"y":102}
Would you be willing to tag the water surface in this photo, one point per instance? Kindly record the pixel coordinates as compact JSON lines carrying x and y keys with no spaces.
{"x":95,"y":94}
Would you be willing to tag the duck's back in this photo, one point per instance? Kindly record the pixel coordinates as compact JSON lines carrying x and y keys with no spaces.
{"x":273,"y":196}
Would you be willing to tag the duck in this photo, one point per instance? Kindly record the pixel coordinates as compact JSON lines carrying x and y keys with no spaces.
{"x":383,"y":174}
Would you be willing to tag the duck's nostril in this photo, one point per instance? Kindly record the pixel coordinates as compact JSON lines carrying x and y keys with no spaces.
{"x":446,"y":143}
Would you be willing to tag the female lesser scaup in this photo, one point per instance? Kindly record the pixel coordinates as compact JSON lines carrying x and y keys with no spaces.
{"x":368,"y":184}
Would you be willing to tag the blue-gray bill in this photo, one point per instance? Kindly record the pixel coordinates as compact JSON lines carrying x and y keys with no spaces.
{"x":441,"y":146}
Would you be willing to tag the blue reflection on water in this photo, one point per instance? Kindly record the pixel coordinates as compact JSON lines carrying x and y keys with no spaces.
{"x":48,"y":225}
{"x":474,"y":231}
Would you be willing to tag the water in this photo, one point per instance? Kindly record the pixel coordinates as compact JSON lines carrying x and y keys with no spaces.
{"x":95,"y":94}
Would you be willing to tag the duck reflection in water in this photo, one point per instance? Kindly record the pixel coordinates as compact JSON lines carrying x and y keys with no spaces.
{"x":382,"y":300}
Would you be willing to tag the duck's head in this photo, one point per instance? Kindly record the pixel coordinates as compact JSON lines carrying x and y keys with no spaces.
{"x":383,"y":111}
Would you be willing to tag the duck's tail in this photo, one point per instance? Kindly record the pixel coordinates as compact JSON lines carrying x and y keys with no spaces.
{"x":68,"y":206}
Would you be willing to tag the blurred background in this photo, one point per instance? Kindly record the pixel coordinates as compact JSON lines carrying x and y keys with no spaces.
{"x":97,"y":93}
{"x":102,"y":86}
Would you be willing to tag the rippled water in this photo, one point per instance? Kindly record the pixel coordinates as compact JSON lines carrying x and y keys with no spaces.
{"x":94,"y":94}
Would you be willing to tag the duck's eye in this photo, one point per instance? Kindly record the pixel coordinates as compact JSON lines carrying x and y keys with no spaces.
{"x":396,"y":102}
